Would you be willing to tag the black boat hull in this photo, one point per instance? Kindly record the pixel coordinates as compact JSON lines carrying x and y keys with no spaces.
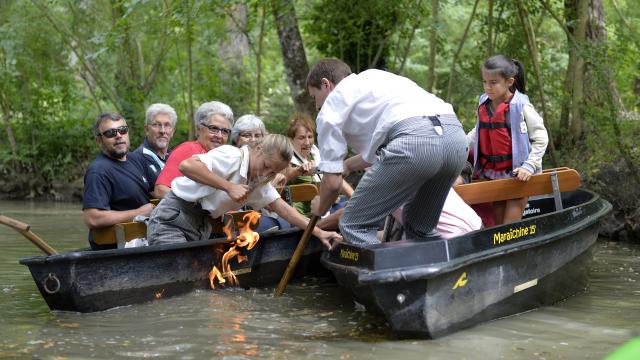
{"x":88,"y":281}
{"x":440,"y":286}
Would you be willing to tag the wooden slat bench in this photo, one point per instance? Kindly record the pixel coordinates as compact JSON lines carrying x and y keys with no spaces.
{"x":121,"y":233}
{"x":505,"y":189}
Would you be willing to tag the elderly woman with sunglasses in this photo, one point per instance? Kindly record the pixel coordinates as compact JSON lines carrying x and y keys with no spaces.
{"x":213,"y":121}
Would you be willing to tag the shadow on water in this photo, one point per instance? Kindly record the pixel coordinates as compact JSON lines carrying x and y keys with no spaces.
{"x":314,"y":319}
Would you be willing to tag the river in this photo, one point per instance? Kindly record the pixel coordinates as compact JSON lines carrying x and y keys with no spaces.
{"x":315,"y":319}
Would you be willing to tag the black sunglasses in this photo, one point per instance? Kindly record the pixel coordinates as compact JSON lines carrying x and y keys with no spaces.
{"x":217,"y":130}
{"x":111,"y":133}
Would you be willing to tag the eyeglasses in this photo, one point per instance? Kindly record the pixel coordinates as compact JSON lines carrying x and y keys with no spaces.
{"x":111,"y":133}
{"x":217,"y":130}
{"x":161,"y":126}
{"x":248,"y":135}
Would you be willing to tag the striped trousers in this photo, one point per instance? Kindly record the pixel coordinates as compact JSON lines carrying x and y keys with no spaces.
{"x":417,"y":166}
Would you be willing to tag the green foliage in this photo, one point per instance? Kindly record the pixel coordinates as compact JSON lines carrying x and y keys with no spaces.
{"x":358,"y":32}
{"x":63,"y":62}
{"x":38,"y":96}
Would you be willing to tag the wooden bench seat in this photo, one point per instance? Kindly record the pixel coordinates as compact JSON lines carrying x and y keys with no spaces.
{"x":505,"y":189}
{"x":121,"y":233}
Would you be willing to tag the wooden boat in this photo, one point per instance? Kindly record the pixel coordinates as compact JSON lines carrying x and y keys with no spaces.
{"x":431,"y":287}
{"x":88,"y":281}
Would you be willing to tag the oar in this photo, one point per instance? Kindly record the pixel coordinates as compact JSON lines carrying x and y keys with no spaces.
{"x":296,"y":256}
{"x":24,"y":229}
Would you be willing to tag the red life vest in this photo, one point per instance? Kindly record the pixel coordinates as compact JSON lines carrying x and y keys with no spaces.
{"x":494,"y":138}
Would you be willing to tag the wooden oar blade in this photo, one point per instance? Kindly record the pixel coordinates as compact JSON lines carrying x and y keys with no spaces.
{"x":13,"y":223}
{"x":24,"y":229}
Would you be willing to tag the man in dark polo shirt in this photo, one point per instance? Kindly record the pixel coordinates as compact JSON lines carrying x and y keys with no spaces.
{"x":159,"y":127}
{"x":116,"y":184}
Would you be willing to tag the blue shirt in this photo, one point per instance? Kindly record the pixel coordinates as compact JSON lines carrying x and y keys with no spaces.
{"x":116,"y":185}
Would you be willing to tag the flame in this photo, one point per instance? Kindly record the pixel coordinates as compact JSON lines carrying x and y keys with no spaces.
{"x":159,"y":294}
{"x":246,"y":239}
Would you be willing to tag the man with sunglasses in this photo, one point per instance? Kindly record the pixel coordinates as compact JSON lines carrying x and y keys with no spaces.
{"x":116,"y":185}
{"x":159,"y":127}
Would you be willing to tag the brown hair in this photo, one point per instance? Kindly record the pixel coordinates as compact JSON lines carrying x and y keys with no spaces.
{"x":331,"y":69}
{"x":300,"y":120}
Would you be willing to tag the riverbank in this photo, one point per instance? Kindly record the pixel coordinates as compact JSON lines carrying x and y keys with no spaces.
{"x":29,"y":187}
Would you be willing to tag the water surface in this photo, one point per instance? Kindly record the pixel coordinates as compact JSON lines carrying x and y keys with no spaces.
{"x":315,"y":319}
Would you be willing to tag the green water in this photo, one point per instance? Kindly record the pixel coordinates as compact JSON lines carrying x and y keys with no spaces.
{"x":315,"y":319}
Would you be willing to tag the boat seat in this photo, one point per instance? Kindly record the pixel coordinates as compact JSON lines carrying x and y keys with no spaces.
{"x":299,"y":192}
{"x":120,"y":233}
{"x":504,"y":189}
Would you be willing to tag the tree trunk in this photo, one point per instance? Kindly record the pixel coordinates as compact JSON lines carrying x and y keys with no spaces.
{"x":407,"y":48}
{"x":457,"y":53}
{"x":599,"y":72}
{"x":535,"y":59}
{"x":11,"y":138}
{"x":263,"y":16}
{"x":567,"y":25}
{"x":293,"y":54}
{"x":189,"y":38}
{"x":490,"y":28}
{"x":577,"y":104}
{"x":433,"y":46}
{"x":233,"y":48}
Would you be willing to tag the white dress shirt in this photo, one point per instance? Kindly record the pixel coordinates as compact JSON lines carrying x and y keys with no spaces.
{"x":362,"y":108}
{"x":231,"y":163}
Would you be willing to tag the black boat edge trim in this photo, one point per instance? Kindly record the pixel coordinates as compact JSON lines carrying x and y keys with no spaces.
{"x":411,"y":273}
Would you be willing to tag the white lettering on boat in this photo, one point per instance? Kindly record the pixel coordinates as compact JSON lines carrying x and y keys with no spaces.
{"x":462,"y":281}
{"x":349,"y":255}
{"x":577,"y":212}
{"x":531,"y":211}
{"x":526,"y":285}
{"x":511,"y":234}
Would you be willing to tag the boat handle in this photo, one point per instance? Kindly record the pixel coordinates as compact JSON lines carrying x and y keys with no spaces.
{"x":56,"y":284}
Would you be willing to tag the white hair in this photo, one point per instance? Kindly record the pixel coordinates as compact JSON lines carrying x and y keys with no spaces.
{"x":247,"y":123}
{"x":156,"y":109}
{"x":208,"y":109}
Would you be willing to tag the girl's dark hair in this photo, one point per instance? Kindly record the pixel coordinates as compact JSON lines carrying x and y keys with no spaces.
{"x":507,"y":69}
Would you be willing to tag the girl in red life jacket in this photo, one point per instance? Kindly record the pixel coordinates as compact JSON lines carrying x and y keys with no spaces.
{"x":509,"y":138}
